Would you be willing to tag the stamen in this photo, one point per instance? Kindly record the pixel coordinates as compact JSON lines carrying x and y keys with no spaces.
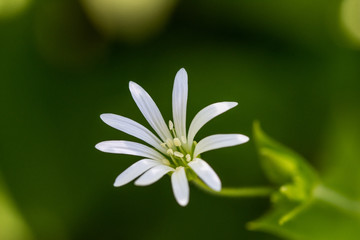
{"x":171,"y":125}
{"x":188,"y":157}
{"x":177,"y":142}
{"x":169,"y":142}
{"x":178,"y":154}
{"x":170,"y":151}
{"x":166,"y":162}
{"x":163,"y":145}
{"x":183,"y":139}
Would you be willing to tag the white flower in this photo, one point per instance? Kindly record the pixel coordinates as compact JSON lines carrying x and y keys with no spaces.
{"x":173,"y":151}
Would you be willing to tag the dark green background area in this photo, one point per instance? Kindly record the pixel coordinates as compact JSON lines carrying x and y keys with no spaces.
{"x":286,"y":65}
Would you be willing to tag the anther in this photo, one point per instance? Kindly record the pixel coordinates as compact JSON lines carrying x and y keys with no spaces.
{"x":169,"y":142}
{"x":188,"y":157}
{"x":170,"y":151}
{"x":178,"y":154}
{"x":183,"y":139}
{"x":171,"y":125}
{"x":163,"y":145}
{"x":177,"y":142}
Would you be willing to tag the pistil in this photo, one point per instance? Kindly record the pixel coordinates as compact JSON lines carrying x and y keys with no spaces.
{"x":175,"y":149}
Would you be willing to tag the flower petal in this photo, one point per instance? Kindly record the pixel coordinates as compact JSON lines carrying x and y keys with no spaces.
{"x":132,"y":128}
{"x":179,"y":101}
{"x":130,"y":148}
{"x":205,"y":115}
{"x":180,"y":186}
{"x":153,"y":175}
{"x":134,"y":171}
{"x":206,"y":173}
{"x":150,"y":111}
{"x":219,"y":141}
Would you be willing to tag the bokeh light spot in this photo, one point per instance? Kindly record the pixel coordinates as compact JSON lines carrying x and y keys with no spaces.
{"x":127,"y":19}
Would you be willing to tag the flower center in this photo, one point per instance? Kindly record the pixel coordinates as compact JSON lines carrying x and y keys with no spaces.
{"x":176,"y":150}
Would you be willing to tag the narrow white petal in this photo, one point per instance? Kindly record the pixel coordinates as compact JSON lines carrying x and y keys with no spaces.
{"x":130,"y":148}
{"x":132,"y":128}
{"x":134,"y":171}
{"x":219,"y":141}
{"x":180,"y":186}
{"x":153,"y":175}
{"x":206,"y":173}
{"x":150,"y":111}
{"x":179,"y":101}
{"x":205,"y":115}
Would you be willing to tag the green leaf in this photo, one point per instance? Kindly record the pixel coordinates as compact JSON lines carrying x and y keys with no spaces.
{"x":303,"y":208}
{"x":314,"y":221}
{"x":285,"y":168}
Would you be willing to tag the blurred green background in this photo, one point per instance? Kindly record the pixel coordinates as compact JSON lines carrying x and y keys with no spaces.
{"x":293,"y":65}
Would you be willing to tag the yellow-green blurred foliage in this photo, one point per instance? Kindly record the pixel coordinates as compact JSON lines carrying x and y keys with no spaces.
{"x":10,"y":8}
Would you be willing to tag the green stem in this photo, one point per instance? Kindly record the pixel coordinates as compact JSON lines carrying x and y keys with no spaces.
{"x":236,"y":192}
{"x":336,"y":199}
